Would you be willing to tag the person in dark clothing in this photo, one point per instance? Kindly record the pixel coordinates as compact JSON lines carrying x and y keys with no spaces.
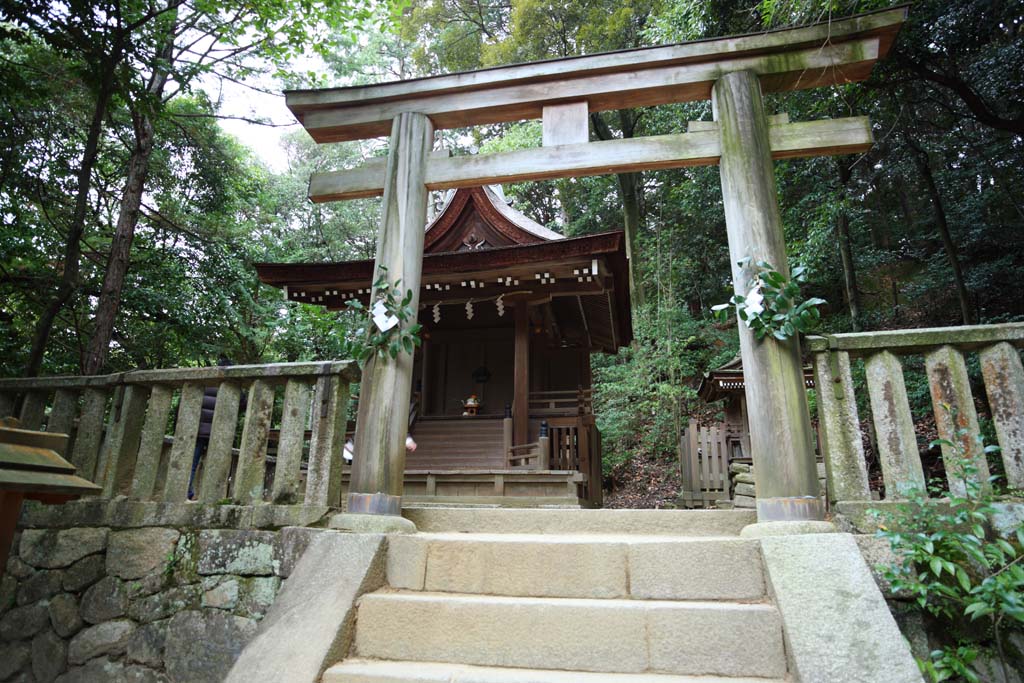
{"x":205,"y":425}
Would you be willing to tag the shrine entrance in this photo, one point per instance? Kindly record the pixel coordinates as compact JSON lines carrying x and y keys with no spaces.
{"x":743,"y":139}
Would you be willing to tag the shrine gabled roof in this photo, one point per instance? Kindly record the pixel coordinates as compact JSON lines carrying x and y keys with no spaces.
{"x":480,"y":248}
{"x":478,"y":218}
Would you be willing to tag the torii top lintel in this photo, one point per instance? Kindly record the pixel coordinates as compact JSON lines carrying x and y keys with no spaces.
{"x":826,"y":53}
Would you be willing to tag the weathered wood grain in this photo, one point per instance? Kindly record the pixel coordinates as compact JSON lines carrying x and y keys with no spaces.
{"x":637,"y":84}
{"x":781,"y":438}
{"x":699,"y":148}
{"x":383,"y":418}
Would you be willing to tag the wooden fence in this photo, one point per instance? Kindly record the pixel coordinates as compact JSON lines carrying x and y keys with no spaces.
{"x":944,"y":351}
{"x":119,"y":426}
{"x":705,"y":454}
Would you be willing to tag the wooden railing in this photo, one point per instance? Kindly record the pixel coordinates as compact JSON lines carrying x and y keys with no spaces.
{"x":576,"y":445}
{"x":561,"y":403}
{"x":119,"y":427}
{"x":953,"y":404}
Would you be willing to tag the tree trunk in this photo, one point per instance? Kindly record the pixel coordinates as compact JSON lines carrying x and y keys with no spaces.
{"x":921,"y":158}
{"x":127,"y":219}
{"x":846,"y":250}
{"x":629,"y":192}
{"x":72,"y":243}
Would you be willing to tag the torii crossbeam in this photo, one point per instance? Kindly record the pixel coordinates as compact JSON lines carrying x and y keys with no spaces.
{"x":743,"y":140}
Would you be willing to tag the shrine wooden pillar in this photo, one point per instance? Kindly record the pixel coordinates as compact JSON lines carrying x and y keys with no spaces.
{"x":781,"y":439}
{"x":382,"y":422}
{"x":521,"y":375}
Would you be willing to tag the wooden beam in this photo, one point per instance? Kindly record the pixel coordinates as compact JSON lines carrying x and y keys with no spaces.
{"x":700,"y":148}
{"x":639,"y":86}
{"x":566,"y":124}
{"x":470,"y":97}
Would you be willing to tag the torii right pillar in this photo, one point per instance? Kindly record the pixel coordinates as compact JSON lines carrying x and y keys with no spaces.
{"x":781,"y":439}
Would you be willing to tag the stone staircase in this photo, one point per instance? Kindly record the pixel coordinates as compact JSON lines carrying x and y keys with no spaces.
{"x":587,"y":596}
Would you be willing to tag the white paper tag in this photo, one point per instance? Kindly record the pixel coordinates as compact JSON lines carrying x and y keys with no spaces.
{"x":381,"y":318}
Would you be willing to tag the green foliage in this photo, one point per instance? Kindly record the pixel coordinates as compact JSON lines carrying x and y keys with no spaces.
{"x":953,"y":565}
{"x":641,"y":394}
{"x":774,"y":305}
{"x":402,"y":336}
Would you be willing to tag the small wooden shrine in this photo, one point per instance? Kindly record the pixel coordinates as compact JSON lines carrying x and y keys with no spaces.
{"x":511,"y":312}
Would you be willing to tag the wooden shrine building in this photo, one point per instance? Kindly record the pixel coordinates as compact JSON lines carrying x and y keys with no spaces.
{"x":511,"y":312}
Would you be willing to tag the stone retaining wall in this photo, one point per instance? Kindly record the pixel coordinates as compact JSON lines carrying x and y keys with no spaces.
{"x":137,"y":602}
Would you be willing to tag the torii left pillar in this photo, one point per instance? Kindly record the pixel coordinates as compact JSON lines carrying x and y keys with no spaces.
{"x":382,"y":423}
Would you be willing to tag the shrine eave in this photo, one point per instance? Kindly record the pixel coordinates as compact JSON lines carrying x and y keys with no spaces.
{"x":593,"y":267}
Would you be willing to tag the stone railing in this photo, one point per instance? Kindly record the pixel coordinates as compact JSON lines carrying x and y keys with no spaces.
{"x":119,"y":429}
{"x":953,"y":404}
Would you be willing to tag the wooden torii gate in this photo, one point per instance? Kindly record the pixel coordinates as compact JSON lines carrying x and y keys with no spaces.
{"x":743,"y":140}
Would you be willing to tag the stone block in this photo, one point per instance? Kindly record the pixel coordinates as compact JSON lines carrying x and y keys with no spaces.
{"x":739,"y":468}
{"x":721,"y":639}
{"x":223,"y":595}
{"x":13,"y":657}
{"x":745,"y":502}
{"x":292,"y":542}
{"x":24,"y":622}
{"x":202,"y":646}
{"x":49,"y":657}
{"x":147,"y":585}
{"x":39,"y":586}
{"x":578,"y":521}
{"x":64,"y":615}
{"x":17,"y":568}
{"x":257,"y":595}
{"x":134,"y":553}
{"x":599,"y":569}
{"x":406,"y":562}
{"x":146,"y":646}
{"x":95,"y":671}
{"x":8,"y":592}
{"x":728,"y":569}
{"x":746,"y":478}
{"x":242,"y":552}
{"x":166,"y":603}
{"x":108,"y":638}
{"x":278,"y":516}
{"x":105,"y":600}
{"x":745,"y":490}
{"x":310,"y":623}
{"x":815,"y":577}
{"x":620,"y":636}
{"x":84,"y":573}
{"x":58,"y":548}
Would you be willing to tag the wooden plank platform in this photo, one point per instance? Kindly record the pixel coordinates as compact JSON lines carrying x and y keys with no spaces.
{"x":491,"y":487}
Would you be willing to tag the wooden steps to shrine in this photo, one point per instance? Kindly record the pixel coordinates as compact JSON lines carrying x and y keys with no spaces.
{"x":457,"y":444}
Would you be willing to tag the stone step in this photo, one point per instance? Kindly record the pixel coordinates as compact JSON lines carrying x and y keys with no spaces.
{"x":374,"y":671}
{"x":601,"y":566}
{"x":611,"y":636}
{"x":571,"y":522}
